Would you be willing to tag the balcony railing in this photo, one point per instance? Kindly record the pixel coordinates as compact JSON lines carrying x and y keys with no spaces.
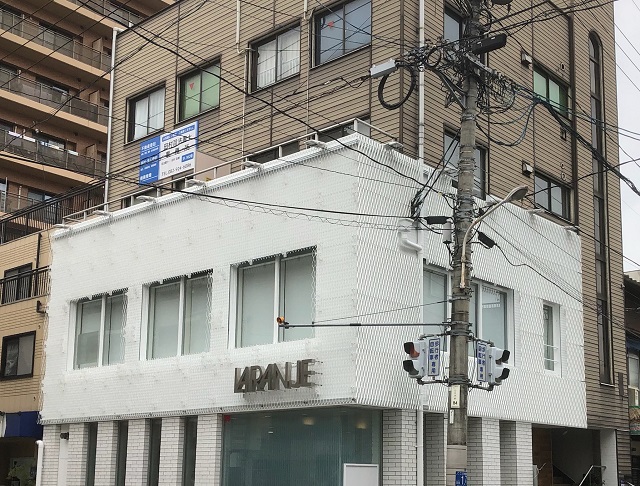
{"x":45,"y":154}
{"x":30,"y":217}
{"x":112,"y":11}
{"x":61,"y":43}
{"x":25,"y":285}
{"x":50,"y":96}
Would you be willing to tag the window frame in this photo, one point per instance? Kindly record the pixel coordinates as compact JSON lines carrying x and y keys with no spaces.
{"x":452,"y":172}
{"x":548,"y":77}
{"x":333,"y":9}
{"x":565,"y":194}
{"x":16,"y":298}
{"x":131,"y":102}
{"x":75,"y":312}
{"x":457,"y":18}
{"x":556,"y":341}
{"x":3,"y":360}
{"x":147,"y":338}
{"x":236,"y":281}
{"x":265,"y":40}
{"x":180,"y":118}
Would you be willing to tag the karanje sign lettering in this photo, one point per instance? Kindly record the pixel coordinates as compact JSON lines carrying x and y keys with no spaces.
{"x":257,"y":378}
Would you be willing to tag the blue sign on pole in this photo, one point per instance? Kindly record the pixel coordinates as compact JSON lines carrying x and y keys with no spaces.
{"x":461,"y":478}
{"x":149,"y":160}
{"x":481,"y":356}
{"x":434,"y":357}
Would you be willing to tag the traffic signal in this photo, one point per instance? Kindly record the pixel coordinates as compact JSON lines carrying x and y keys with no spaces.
{"x":417,"y":365}
{"x":497,"y":360}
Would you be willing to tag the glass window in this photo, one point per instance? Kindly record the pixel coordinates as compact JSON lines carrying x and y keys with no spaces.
{"x":155,"y":436}
{"x":179,"y":317}
{"x":552,"y":196}
{"x":146,"y":114}
{"x":551,"y":90}
{"x":257,"y":308}
{"x":342,"y":29}
{"x":634,"y":371}
{"x":92,"y":445}
{"x":494,"y":316}
{"x":121,"y":454}
{"x":452,"y":26}
{"x":16,"y":284}
{"x":199,"y":91}
{"x":451,"y":149}
{"x":280,"y":452}
{"x":189,"y":453}
{"x":17,"y":355}
{"x":551,"y":337}
{"x":278,"y":58}
{"x":102,"y":316}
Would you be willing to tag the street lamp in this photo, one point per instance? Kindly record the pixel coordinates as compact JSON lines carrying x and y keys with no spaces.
{"x":515,"y":195}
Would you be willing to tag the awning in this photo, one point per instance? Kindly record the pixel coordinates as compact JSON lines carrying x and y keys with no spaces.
{"x":22,"y":424}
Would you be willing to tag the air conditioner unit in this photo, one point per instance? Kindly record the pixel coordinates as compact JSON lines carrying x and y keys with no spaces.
{"x":634,"y":397}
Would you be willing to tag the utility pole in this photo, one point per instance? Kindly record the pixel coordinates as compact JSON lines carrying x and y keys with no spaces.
{"x":461,"y":296}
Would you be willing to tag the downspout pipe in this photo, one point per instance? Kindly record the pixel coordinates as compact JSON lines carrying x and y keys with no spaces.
{"x":40,"y":445}
{"x":112,"y":80}
{"x":420,"y":410}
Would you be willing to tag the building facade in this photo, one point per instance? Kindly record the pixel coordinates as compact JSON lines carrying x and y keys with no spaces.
{"x":253,"y":83}
{"x":55,"y":59}
{"x":165,"y":364}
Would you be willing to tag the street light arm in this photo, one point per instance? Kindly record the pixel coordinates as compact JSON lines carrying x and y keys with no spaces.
{"x":515,"y":195}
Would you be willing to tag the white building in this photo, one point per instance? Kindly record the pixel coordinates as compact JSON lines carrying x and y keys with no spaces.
{"x":154,"y":307}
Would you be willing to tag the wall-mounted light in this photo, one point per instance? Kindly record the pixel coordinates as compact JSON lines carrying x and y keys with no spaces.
{"x":308,"y":420}
{"x":527,"y":169}
{"x":525,"y":58}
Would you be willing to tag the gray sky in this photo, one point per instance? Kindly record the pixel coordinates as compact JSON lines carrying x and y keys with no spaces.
{"x":627,"y":16}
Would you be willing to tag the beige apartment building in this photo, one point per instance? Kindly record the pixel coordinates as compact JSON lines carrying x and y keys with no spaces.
{"x":255,"y":81}
{"x":55,"y":59}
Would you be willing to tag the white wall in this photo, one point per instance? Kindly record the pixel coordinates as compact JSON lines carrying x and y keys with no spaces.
{"x":360,"y":270}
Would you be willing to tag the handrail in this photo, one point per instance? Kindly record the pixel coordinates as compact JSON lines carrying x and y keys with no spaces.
{"x":113,"y":11}
{"x":81,"y":215}
{"x":53,"y":97}
{"x":589,"y":472}
{"x":27,"y":285}
{"x":41,"y":153}
{"x":53,"y":40}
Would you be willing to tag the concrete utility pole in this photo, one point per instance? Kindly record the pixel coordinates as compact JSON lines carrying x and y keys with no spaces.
{"x":461,"y":296}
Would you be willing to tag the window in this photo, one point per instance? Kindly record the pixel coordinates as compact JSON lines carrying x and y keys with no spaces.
{"x":146,"y":114}
{"x":16,"y":284}
{"x":276,"y":59}
{"x":50,"y":141}
{"x":100,"y":318}
{"x":199,"y":91}
{"x":553,"y":91}
{"x":121,"y":453}
{"x":275,"y":153}
{"x":155,"y":436}
{"x":278,"y":456}
{"x":435,"y":306}
{"x":551,"y":337}
{"x":453,"y":26}
{"x":342,"y":29}
{"x":357,"y":126}
{"x":189,"y":453}
{"x":451,"y":149}
{"x":552,"y":196}
{"x":179,"y":317}
{"x":35,"y":196}
{"x":488,"y":315}
{"x":634,"y":371}
{"x":17,"y":355}
{"x":91,"y":453}
{"x":279,"y":286}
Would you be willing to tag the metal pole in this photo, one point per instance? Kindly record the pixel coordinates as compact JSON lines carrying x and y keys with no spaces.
{"x":463,"y":216}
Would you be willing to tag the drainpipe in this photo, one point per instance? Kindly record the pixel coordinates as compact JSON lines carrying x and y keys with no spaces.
{"x":40,"y":445}
{"x":420,"y":411}
{"x":112,"y":80}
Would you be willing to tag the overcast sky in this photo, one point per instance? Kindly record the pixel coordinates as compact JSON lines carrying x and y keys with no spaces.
{"x":627,"y":17}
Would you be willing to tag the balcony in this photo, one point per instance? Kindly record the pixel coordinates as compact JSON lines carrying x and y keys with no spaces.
{"x":55,"y":41}
{"x":26,"y":285}
{"x":112,"y":11}
{"x":53,"y":97}
{"x":28,"y":216}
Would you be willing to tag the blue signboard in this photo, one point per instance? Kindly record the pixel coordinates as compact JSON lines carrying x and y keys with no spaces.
{"x":481,"y":357}
{"x":434,"y":357}
{"x":168,"y":154}
{"x":461,"y":478}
